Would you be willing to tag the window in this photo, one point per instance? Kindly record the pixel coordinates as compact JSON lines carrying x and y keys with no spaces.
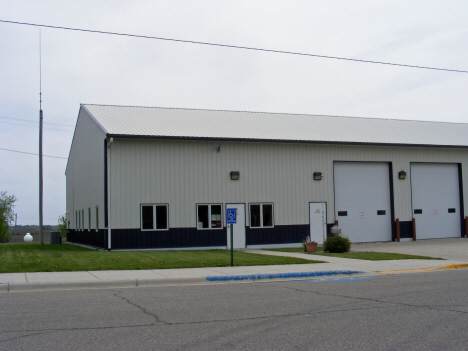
{"x":154,"y":217}
{"x":261,"y":215}
{"x":97,"y":219}
{"x":89,"y":218}
{"x":209,"y":217}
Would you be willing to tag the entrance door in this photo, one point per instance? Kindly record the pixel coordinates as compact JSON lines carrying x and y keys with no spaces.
{"x":318,"y":221}
{"x":238,"y":229}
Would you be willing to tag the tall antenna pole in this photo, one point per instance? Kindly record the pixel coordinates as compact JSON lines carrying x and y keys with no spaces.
{"x":41,"y":236}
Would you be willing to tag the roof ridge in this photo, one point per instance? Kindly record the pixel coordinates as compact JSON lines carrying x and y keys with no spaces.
{"x":275,"y":113}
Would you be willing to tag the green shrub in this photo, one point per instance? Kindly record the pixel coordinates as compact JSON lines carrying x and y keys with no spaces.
{"x":4,"y":235}
{"x":62,"y":225}
{"x":7,"y":203}
{"x":336,"y":244}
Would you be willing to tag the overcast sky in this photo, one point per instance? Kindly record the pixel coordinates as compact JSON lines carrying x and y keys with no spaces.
{"x":80,"y":67}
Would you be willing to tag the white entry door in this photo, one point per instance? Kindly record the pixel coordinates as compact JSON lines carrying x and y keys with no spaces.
{"x":318,"y":221}
{"x":238,"y":228}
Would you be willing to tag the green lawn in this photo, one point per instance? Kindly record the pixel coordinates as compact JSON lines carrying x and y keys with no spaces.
{"x":31,"y":257}
{"x":372,"y":256}
{"x":378,"y":256}
{"x":294,"y":249}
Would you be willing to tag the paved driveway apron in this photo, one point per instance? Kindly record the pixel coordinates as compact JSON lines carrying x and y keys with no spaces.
{"x":451,"y":249}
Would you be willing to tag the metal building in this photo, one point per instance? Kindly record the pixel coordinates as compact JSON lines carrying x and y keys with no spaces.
{"x":140,"y":177}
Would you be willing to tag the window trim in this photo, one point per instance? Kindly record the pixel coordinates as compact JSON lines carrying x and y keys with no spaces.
{"x":209,"y":215}
{"x":261,"y":214}
{"x":154,"y":217}
{"x":89,"y":219}
{"x":97,"y":218}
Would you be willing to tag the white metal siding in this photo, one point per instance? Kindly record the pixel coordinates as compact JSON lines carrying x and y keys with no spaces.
{"x":435,"y":189}
{"x":184,"y":173}
{"x":85,"y":172}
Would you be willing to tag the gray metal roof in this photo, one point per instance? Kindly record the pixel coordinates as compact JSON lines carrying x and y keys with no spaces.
{"x":159,"y":122}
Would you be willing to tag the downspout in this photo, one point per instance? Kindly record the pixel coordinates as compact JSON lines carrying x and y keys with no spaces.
{"x":109,"y":227}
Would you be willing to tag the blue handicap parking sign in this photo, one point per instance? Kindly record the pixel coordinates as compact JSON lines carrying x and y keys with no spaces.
{"x":231,"y":216}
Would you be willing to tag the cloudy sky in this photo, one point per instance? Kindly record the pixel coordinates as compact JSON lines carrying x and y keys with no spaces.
{"x":80,"y":67}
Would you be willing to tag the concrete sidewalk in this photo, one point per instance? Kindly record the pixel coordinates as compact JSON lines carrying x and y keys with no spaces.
{"x":15,"y":282}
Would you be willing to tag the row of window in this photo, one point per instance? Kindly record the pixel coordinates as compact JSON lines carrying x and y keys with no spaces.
{"x":80,"y":220}
{"x":209,"y":216}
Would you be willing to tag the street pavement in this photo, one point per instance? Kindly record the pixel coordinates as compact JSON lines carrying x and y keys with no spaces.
{"x":454,"y":251}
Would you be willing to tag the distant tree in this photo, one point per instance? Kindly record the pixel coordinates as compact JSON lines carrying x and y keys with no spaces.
{"x":7,"y":203}
{"x":62,"y":224}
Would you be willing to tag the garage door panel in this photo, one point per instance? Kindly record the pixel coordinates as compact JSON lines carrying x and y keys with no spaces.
{"x":362,"y":189}
{"x":435,"y":190}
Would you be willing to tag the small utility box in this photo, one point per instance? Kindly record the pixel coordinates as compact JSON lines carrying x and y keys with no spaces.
{"x":55,"y":238}
{"x":335,"y":230}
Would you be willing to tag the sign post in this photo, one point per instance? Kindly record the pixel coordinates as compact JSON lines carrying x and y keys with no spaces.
{"x":231,"y":218}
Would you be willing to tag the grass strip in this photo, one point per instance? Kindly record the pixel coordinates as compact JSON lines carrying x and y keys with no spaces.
{"x":378,"y":256}
{"x":31,"y":257}
{"x":294,"y":249}
{"x":370,"y":255}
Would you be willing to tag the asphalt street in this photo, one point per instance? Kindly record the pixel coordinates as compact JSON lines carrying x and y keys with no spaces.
{"x":413,"y":311}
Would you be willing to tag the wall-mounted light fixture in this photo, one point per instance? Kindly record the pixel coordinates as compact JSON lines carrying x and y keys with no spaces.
{"x":402,"y":175}
{"x":318,"y":175}
{"x":235,"y":175}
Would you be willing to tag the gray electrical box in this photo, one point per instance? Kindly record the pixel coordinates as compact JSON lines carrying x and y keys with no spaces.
{"x":55,"y":238}
{"x":335,"y":230}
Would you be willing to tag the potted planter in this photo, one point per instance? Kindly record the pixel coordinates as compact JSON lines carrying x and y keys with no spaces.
{"x":311,"y":247}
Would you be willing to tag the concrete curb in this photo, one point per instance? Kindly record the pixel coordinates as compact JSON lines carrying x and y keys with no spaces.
{"x":447,"y":266}
{"x":101,"y":284}
{"x":135,"y":283}
{"x":278,"y":275}
{"x":169,"y":281}
{"x":21,"y":287}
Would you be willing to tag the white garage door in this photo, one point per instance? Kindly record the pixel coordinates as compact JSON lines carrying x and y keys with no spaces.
{"x":362,"y":200}
{"x":436,"y":200}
